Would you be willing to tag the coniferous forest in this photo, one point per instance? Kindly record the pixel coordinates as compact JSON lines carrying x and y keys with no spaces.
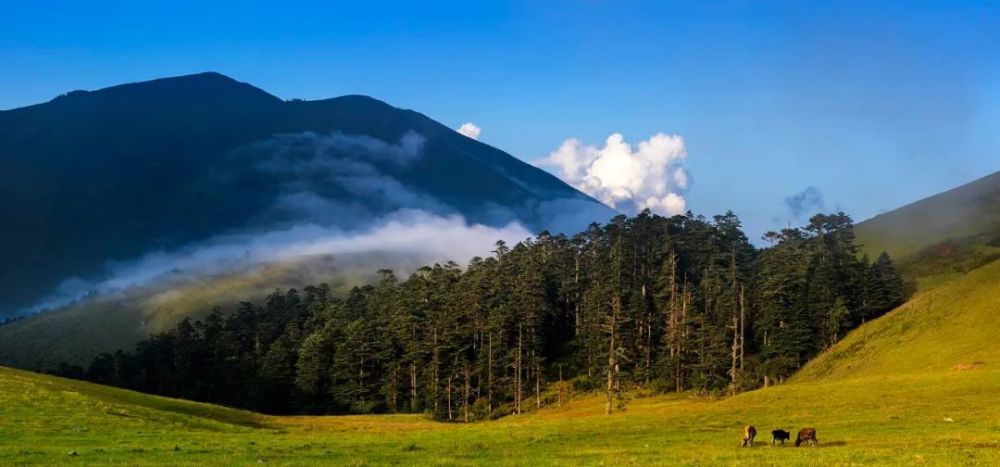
{"x":664,"y":304}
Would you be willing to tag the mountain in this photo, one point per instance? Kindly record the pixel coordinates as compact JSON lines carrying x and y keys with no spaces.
{"x":951,"y":232}
{"x":93,"y":179}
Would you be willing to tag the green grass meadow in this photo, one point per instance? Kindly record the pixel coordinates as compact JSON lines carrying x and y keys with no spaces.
{"x":940,"y":419}
{"x":920,"y":386}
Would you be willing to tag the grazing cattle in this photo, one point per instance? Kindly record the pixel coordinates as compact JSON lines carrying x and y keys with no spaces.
{"x":807,"y":435}
{"x":749,"y":433}
{"x":778,"y":434}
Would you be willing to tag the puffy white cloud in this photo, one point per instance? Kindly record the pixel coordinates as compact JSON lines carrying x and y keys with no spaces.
{"x":627,"y":178}
{"x":470,"y":129}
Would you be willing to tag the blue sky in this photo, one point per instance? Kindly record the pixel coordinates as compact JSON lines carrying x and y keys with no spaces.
{"x":875,"y":104}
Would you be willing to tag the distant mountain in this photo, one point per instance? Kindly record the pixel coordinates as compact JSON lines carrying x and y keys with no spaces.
{"x":954,"y":231}
{"x":107,"y":176}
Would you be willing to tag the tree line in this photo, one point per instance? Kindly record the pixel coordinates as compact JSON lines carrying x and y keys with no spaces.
{"x":10,"y":319}
{"x":683,"y":303}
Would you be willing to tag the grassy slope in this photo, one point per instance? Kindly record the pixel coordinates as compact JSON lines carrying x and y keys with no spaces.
{"x":969,"y":211}
{"x":939,"y":330}
{"x":78,"y":332}
{"x":896,"y":400}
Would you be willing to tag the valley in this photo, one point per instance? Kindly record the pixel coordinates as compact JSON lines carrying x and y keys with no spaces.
{"x":916,"y":386}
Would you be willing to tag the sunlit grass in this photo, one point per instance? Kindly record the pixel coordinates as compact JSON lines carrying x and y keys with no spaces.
{"x":942,"y":418}
{"x":944,"y":328}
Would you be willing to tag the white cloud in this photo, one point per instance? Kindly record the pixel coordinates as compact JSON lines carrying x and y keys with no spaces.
{"x":629,"y":179}
{"x":470,"y":129}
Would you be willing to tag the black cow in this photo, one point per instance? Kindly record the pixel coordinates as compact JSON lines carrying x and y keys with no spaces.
{"x":778,"y":434}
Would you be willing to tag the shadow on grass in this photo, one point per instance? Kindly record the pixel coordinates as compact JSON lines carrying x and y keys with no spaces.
{"x":806,"y":446}
{"x":824,"y":444}
{"x":198,"y":410}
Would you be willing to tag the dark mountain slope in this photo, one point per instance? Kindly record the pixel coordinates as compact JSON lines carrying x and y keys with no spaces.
{"x":107,"y":175}
{"x":91,"y":176}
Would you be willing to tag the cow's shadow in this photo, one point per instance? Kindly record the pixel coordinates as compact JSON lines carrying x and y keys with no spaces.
{"x":806,"y":446}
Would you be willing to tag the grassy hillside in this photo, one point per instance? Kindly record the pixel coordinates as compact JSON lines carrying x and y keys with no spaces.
{"x":945,"y":328}
{"x":940,"y":237}
{"x":76,"y":333}
{"x":969,"y":211}
{"x":940,"y":418}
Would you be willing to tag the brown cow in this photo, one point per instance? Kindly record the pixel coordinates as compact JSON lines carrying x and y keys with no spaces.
{"x":807,"y":435}
{"x":749,"y":433}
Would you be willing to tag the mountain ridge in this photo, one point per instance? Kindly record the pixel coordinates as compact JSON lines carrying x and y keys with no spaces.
{"x":964,"y":211}
{"x":106,"y":175}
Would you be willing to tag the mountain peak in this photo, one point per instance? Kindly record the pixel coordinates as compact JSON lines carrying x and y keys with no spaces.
{"x":205,"y":78}
{"x":208,"y":85}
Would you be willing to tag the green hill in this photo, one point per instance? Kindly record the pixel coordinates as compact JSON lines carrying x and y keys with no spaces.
{"x":75,"y":333}
{"x":940,"y":236}
{"x":967,"y":211}
{"x":949,"y":327}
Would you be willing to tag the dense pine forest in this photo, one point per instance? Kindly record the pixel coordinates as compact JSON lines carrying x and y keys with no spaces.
{"x":665,"y":304}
